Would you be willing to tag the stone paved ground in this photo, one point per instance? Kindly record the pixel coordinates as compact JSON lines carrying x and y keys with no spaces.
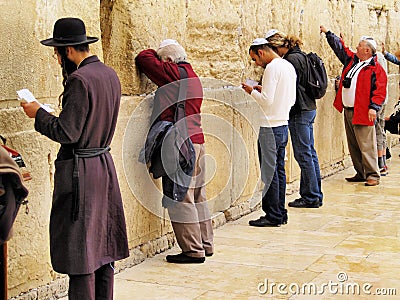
{"x":350,"y":243}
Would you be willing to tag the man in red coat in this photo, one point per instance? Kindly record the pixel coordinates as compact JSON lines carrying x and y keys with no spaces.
{"x":190,"y":217}
{"x":87,"y":223}
{"x":362,"y":90}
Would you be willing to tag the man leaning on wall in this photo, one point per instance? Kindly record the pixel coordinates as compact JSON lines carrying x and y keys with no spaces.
{"x":362,"y":90}
{"x":188,"y":211}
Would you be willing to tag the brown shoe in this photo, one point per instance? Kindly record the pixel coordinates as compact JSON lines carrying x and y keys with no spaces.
{"x":371,"y":182}
{"x":355,"y":178}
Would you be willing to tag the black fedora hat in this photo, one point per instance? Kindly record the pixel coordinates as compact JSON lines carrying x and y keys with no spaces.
{"x":69,"y":32}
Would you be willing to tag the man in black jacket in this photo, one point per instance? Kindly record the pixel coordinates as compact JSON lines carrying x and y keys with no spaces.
{"x":301,"y":121}
{"x":392,"y":122}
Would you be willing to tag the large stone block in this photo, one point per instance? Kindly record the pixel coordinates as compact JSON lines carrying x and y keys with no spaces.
{"x":23,"y":26}
{"x":232,"y":121}
{"x":131,"y":26}
{"x":141,"y":193}
{"x":32,"y":259}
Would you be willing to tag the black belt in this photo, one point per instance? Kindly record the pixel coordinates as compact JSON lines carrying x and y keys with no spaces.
{"x":81,"y":153}
{"x":348,"y":108}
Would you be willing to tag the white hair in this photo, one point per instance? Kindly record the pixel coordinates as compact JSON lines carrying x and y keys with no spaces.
{"x":174,"y":53}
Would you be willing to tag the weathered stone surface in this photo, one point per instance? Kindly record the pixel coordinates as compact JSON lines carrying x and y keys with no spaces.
{"x":30,"y":295}
{"x":218,"y":219}
{"x":237,"y":211}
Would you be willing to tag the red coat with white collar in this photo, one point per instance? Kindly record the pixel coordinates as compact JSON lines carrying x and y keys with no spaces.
{"x":371,"y":82}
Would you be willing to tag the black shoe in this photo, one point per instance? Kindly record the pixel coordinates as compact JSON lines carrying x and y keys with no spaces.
{"x":209,"y":254}
{"x":388,"y":154}
{"x":355,"y":179}
{"x":284,"y":220}
{"x":263,"y":222}
{"x":301,"y":203}
{"x":184,"y":259}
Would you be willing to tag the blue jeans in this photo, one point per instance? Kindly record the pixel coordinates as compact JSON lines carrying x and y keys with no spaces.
{"x":302,"y":137}
{"x":271,"y":150}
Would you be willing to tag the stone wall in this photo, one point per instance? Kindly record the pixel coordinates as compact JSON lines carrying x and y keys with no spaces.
{"x":216,"y":35}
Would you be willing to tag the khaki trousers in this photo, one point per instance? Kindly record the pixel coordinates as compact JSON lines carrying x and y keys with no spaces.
{"x":191,"y":219}
{"x":361,"y":140}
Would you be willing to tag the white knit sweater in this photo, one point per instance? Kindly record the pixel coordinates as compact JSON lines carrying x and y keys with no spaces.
{"x":278,"y":93}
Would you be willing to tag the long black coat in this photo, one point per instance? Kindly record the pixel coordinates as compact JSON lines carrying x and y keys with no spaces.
{"x":90,"y":108}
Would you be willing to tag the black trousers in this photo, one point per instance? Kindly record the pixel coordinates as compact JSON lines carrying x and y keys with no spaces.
{"x":96,"y":286}
{"x":392,"y":126}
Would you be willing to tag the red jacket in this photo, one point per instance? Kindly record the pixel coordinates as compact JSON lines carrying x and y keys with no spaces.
{"x":163,"y":73}
{"x":370,"y":88}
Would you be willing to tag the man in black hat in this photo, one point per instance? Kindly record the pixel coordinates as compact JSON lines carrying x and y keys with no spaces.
{"x":87,"y":223}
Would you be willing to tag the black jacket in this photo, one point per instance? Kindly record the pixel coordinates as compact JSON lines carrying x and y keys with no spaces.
{"x":175,"y":186}
{"x":395,"y":116}
{"x":303,"y":101}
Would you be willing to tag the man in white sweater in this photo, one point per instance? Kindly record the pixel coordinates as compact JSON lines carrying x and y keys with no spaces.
{"x":276,"y":96}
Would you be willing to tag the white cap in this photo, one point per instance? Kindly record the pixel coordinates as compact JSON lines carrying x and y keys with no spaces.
{"x":168,"y":42}
{"x":259,"y":41}
{"x":271,"y":33}
{"x":369,"y":40}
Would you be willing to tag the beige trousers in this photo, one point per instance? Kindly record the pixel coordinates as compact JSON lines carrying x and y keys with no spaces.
{"x":361,"y":140}
{"x":191,"y":219}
